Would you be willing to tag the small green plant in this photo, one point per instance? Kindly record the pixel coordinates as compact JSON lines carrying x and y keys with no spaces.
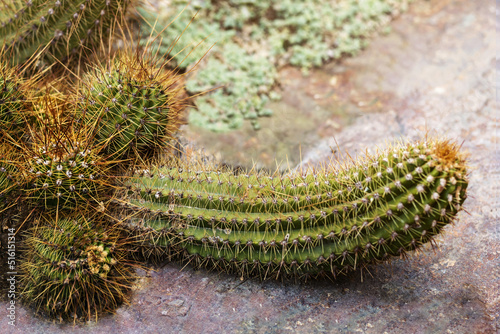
{"x":326,"y":222}
{"x":255,"y":38}
{"x":245,"y":81}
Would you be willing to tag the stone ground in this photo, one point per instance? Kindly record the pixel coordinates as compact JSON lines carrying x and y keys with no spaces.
{"x":434,"y":73}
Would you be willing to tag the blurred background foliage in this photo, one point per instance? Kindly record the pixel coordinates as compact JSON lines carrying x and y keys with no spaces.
{"x":250,"y":40}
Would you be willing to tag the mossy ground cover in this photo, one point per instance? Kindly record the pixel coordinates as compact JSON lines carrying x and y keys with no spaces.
{"x":253,"y":40}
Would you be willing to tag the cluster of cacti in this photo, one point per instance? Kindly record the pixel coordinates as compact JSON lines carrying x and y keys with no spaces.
{"x":72,"y":266}
{"x":63,"y":150}
{"x":75,"y":267}
{"x":328,"y":221}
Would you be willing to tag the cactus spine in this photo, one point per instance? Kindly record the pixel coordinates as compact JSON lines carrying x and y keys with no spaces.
{"x":323,"y":222}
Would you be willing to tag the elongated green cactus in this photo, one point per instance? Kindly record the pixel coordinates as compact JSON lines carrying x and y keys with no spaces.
{"x":328,"y":221}
{"x":132,"y":103}
{"x":57,"y":27}
{"x":74,"y":267}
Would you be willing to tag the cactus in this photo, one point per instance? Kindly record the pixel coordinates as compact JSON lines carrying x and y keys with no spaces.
{"x":57,"y":27}
{"x":9,"y":175}
{"x":63,"y":169}
{"x":132,"y":103}
{"x":13,"y":91}
{"x":68,"y":175}
{"x":14,"y":106}
{"x":325,"y":222}
{"x":74,"y":267}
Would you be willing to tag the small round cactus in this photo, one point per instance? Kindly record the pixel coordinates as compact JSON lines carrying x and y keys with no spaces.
{"x":9,"y":174}
{"x":74,"y":267}
{"x":63,"y":169}
{"x":132,"y":103}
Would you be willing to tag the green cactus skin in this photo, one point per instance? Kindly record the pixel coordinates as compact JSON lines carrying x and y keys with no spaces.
{"x":58,"y":27}
{"x":74,"y":268}
{"x":6,"y":183}
{"x":325,"y":222}
{"x":9,"y":175}
{"x":132,"y":104}
{"x":12,"y":99}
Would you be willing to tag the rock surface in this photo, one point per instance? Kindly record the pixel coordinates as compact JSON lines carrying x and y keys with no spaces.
{"x":434,"y":73}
